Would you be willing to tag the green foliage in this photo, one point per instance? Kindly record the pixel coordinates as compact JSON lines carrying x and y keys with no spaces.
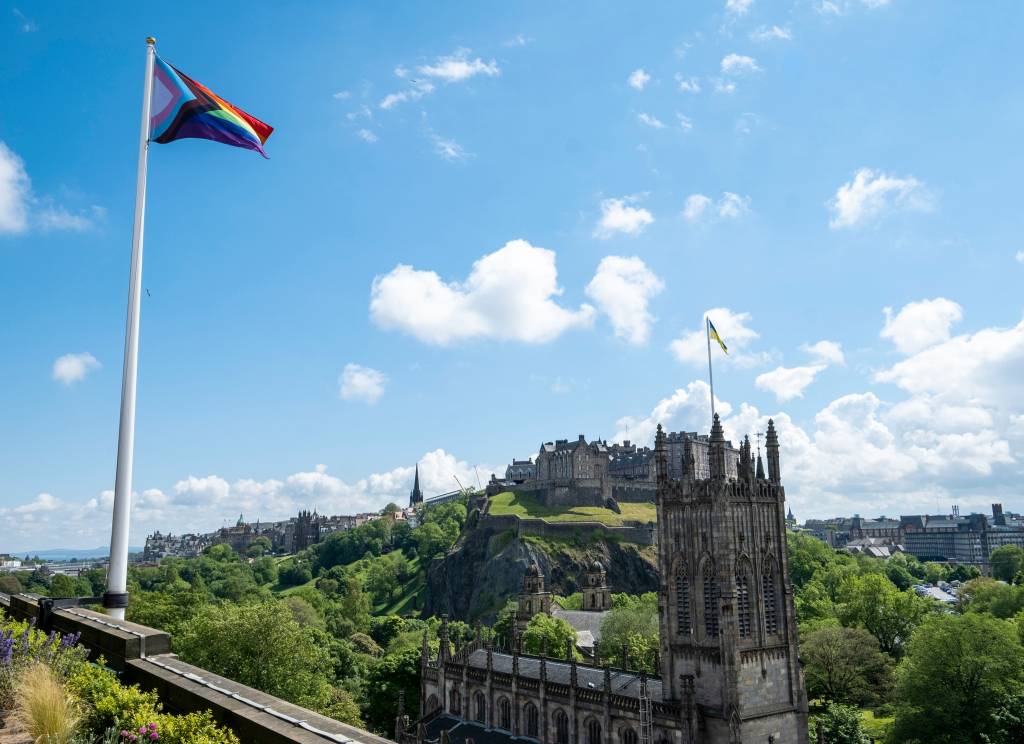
{"x":549,"y":635}
{"x":956,"y":672}
{"x":806,"y":555}
{"x":384,"y":629}
{"x":386,"y":575}
{"x":505,"y":623}
{"x":845,"y":665}
{"x":261,"y":646}
{"x":1007,"y":561}
{"x":1006,"y":725}
{"x":10,"y":584}
{"x":166,"y":611}
{"x":572,"y":602}
{"x":632,"y":625}
{"x":294,"y":573}
{"x":992,"y":597}
{"x":343,"y":707}
{"x":27,"y":647}
{"x":194,"y":728}
{"x":525,"y":505}
{"x":873,"y":603}
{"x":303,"y":612}
{"x":108,"y":702}
{"x":63,"y":586}
{"x":258,"y":547}
{"x":841,"y":724}
{"x":352,"y":613}
{"x":391,"y":674}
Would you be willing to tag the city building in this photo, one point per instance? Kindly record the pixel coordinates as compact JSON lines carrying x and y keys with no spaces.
{"x":728,"y":668}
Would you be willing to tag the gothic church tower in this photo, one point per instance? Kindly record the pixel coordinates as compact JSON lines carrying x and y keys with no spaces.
{"x":726,"y":613}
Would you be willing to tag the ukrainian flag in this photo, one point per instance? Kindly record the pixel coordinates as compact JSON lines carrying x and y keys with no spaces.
{"x":713,"y":333}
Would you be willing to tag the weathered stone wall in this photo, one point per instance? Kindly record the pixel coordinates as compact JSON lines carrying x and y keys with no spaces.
{"x":589,"y":491}
{"x":634,"y":532}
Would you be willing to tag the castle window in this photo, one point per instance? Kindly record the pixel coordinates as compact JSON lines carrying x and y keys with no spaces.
{"x":432,"y":703}
{"x":505,"y":714}
{"x":455,"y":700}
{"x":628,"y":736}
{"x":593,"y":731}
{"x":561,"y":727}
{"x":743,"y":603}
{"x":532,"y":720}
{"x":480,"y":703}
{"x":683,"y":604}
{"x":711,"y":594}
{"x":770,"y":599}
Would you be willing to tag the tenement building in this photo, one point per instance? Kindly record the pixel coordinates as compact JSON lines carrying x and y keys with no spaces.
{"x":727,"y":671}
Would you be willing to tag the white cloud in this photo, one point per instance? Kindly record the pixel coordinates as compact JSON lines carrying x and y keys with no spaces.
{"x":1020,"y":256}
{"x":15,"y":192}
{"x":26,"y":24}
{"x":651,"y":121}
{"x":366,"y":135}
{"x":775,"y":33}
{"x":622,"y":289}
{"x":448,"y":149}
{"x":361,"y":383}
{"x":685,"y":122}
{"x":695,"y":207}
{"x":691,"y":346}
{"x":638,"y":79}
{"x":617,"y":216}
{"x":788,"y":383}
{"x":71,"y":368}
{"x":519,"y":40}
{"x":871,"y":194}
{"x":208,"y":490}
{"x":416,"y":92}
{"x":56,"y":217}
{"x":687,"y":409}
{"x":729,"y":207}
{"x":738,"y":7}
{"x":826,"y":352}
{"x":919,"y":325}
{"x":43,"y":502}
{"x":508,"y":295}
{"x":739,"y":64}
{"x":688,"y":84}
{"x":458,"y":67}
{"x":342,"y":95}
{"x":724,"y":86}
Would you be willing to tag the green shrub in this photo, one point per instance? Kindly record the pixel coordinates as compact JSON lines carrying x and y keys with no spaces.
{"x":195,"y":728}
{"x":109,"y":703}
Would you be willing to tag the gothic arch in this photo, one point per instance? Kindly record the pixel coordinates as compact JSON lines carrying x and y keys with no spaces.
{"x":432,"y":704}
{"x":532,"y":719}
{"x":504,"y":713}
{"x":561,"y":724}
{"x":770,"y":600}
{"x":744,"y":581}
{"x":627,"y":735}
{"x":592,"y":727}
{"x":681,"y":603}
{"x":710,"y":592}
{"x":735,"y":730}
{"x":479,"y":707}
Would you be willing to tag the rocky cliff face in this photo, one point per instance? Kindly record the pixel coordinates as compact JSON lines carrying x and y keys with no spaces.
{"x":485,"y":569}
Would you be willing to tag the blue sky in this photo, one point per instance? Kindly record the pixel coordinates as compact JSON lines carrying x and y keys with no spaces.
{"x":484,"y":227}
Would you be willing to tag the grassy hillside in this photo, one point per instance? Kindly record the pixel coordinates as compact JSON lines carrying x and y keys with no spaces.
{"x":524,"y":505}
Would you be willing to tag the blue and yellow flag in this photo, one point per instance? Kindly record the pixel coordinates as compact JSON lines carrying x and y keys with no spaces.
{"x":713,"y":333}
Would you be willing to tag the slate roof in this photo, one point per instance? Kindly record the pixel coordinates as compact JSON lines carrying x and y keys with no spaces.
{"x":623,"y":683}
{"x":459,"y":731}
{"x":586,"y":624}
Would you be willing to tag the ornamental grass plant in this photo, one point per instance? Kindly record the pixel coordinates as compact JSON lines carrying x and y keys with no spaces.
{"x":44,"y":708}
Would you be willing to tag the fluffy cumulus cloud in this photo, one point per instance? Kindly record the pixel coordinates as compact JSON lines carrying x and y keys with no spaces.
{"x":20,"y":209}
{"x":788,"y":383}
{"x":688,"y":84}
{"x":203,"y":504}
{"x":870,"y":195}
{"x":650,"y":121}
{"x":622,"y":288}
{"x":360,"y":383}
{"x":826,"y":352}
{"x":638,"y":79}
{"x":919,"y":325}
{"x":620,"y":216}
{"x":734,"y":328}
{"x":739,"y":64}
{"x":738,"y":7}
{"x":457,"y":67}
{"x":771,"y":33}
{"x":72,"y":368}
{"x":729,"y":206}
{"x":686,"y":409}
{"x":1020,"y":257}
{"x":509,"y":295}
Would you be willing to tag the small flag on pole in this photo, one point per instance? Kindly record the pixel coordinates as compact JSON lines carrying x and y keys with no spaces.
{"x":714,"y":334}
{"x":184,"y":108}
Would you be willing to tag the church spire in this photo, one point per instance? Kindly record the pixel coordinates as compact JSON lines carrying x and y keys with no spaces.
{"x":716,"y":451}
{"x":772,"y":448}
{"x":416,"y":495}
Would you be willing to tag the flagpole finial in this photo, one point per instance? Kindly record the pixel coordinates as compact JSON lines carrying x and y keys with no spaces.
{"x":151,"y":40}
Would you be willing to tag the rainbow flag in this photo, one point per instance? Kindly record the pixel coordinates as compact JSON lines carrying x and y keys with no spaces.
{"x":183,"y":108}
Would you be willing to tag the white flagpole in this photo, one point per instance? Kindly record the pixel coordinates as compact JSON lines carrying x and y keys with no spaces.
{"x":116,"y":598}
{"x":711,"y":379}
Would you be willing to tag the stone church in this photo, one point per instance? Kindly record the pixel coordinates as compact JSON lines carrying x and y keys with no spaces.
{"x":728,"y":671}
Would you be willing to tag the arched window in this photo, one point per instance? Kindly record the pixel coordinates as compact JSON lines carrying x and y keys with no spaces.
{"x":743,"y":601}
{"x":480,"y":707}
{"x":628,"y":736}
{"x":431,"y":704}
{"x":683,"y":623}
{"x":711,"y":610}
{"x":505,"y":714}
{"x":593,"y":731}
{"x":769,"y":598}
{"x":532,"y":720}
{"x":455,"y":700}
{"x":561,"y":727}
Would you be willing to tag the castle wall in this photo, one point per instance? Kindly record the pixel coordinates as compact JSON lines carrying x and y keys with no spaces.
{"x":638,"y":533}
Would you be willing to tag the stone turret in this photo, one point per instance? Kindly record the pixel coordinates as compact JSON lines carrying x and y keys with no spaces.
{"x":716,"y":453}
{"x":596,"y":594}
{"x":772,"y":449}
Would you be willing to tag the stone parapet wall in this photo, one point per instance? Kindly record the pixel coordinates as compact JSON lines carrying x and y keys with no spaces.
{"x":633,"y":532}
{"x":143,"y":657}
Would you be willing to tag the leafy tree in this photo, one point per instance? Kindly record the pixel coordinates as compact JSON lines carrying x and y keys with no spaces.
{"x":957,"y":670}
{"x":632,"y":626}
{"x":1007,"y":721}
{"x":386,"y":575}
{"x":806,"y":555}
{"x":63,"y":586}
{"x":1007,"y":561}
{"x":384,"y":629}
{"x":9,"y":584}
{"x":430,"y":540}
{"x":992,"y":597}
{"x":841,"y":724}
{"x":258,"y":547}
{"x":166,"y":611}
{"x":264,"y":570}
{"x":899,"y":576}
{"x":353,"y":611}
{"x":845,"y":665}
{"x":391,"y":508}
{"x":303,"y":612}
{"x":873,"y":603}
{"x":261,"y":646}
{"x":343,"y":707}
{"x":394,"y":672}
{"x":221,"y":552}
{"x":294,"y":573}
{"x":549,"y":635}
{"x":573,"y":602}
{"x":505,"y":623}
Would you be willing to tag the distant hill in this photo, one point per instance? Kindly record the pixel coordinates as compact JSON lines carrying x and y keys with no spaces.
{"x":66,"y":554}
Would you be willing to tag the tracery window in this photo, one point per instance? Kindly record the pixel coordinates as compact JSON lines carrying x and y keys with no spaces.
{"x":593,"y":731}
{"x":561,"y":727}
{"x":711,"y":594}
{"x":480,"y":705}
{"x":769,"y":597}
{"x":628,"y":736}
{"x":505,"y":714}
{"x":683,"y":623}
{"x":743,"y":603}
{"x":532,"y":720}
